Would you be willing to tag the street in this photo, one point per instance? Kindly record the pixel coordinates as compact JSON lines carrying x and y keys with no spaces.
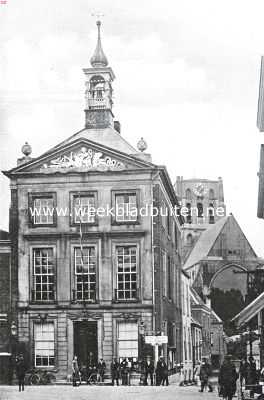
{"x":171,"y":392}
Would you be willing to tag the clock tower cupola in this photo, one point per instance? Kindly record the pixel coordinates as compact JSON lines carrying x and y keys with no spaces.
{"x":98,"y":89}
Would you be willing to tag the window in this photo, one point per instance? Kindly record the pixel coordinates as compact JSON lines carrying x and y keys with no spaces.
{"x":188,"y":194}
{"x":44,"y":344}
{"x":211,"y":214}
{"x":211,"y":194}
{"x":85,"y":273}
{"x":83,"y":208}
{"x":126,"y":258}
{"x":42,"y":209}
{"x":43,"y":275}
{"x":200,"y":210}
{"x":169,"y":278}
{"x":164,"y":272}
{"x":126,"y":207}
{"x":127,"y":338}
{"x":189,"y":239}
{"x":164,"y":215}
{"x":189,"y":213}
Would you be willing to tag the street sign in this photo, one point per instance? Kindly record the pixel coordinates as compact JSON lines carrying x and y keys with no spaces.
{"x":156,"y":340}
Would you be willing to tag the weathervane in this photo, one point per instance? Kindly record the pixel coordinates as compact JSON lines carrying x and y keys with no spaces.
{"x":98,"y":15}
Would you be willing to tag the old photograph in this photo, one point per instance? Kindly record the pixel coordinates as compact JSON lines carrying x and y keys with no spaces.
{"x":131,"y":200}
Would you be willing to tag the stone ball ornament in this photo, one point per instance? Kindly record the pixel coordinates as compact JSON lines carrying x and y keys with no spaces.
{"x":142,"y":145}
{"x":26,"y":149}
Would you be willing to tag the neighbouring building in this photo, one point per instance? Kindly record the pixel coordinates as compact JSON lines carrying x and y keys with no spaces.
{"x":90,"y":283}
{"x":201,"y":314}
{"x":187,"y":342}
{"x":203,"y":200}
{"x":260,"y":125}
{"x":218,"y":343}
{"x":6,"y":315}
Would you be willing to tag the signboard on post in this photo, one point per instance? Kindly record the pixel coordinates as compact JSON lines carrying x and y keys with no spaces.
{"x":156,"y":340}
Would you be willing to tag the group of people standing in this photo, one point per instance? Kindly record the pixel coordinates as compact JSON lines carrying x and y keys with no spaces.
{"x":121,"y":370}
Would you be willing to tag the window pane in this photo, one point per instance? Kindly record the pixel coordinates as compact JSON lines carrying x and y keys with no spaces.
{"x":84,"y":209}
{"x":126,"y":272}
{"x":44,"y":344}
{"x":85,"y":273}
{"x":126,"y":207}
{"x":43,"y":274}
{"x":43,"y":209}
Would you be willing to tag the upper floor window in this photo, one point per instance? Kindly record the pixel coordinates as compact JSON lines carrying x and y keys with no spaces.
{"x":126,"y":270}
{"x":126,"y":210}
{"x":83,"y":208}
{"x":188,"y":194}
{"x":200,"y":210}
{"x":211,"y":194}
{"x":42,"y":209}
{"x":189,"y":213}
{"x":44,"y":344}
{"x":164,"y":273}
{"x":85,"y":273}
{"x":43,"y":275}
{"x":169,"y":278}
{"x":211,"y":214}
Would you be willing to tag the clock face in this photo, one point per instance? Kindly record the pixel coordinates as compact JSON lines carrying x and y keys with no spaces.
{"x":200,"y":190}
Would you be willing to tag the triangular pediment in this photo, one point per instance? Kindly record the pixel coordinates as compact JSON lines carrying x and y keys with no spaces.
{"x":81,"y":155}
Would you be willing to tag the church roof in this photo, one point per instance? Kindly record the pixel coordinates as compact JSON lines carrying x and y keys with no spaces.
{"x":108,"y":137}
{"x":205,"y":243}
{"x":250,"y":311}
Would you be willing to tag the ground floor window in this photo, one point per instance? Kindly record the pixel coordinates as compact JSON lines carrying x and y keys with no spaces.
{"x":127,"y":338}
{"x":44,"y":344}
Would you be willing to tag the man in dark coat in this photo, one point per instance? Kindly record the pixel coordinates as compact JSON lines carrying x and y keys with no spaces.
{"x":20,"y":371}
{"x":148,"y":371}
{"x":205,"y":373}
{"x":115,"y":367}
{"x":227,"y":378}
{"x":162,"y":372}
{"x":101,"y":367}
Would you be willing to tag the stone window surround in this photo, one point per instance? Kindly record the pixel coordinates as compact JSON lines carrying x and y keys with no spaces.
{"x":126,"y":191}
{"x":86,"y":193}
{"x":115,"y":244}
{"x":41,"y":195}
{"x":32,"y":247}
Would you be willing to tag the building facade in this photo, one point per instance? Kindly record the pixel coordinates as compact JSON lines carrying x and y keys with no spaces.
{"x":6,"y":314}
{"x":97,"y":270}
{"x":187,"y":345}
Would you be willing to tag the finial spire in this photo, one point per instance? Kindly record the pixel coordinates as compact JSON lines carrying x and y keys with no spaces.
{"x":99,"y":58}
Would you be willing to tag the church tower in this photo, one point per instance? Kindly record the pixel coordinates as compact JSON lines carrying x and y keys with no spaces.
{"x":204,"y":200}
{"x":98,"y":89}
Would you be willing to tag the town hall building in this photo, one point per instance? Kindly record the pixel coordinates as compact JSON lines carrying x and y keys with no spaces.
{"x":95,"y":275}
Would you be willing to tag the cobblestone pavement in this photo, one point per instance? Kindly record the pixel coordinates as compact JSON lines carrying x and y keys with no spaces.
{"x":172,"y":392}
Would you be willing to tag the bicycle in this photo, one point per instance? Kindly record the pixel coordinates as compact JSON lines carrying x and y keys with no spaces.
{"x":40,"y":377}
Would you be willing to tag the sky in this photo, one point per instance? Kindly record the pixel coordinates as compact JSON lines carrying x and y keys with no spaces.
{"x":187,"y":76}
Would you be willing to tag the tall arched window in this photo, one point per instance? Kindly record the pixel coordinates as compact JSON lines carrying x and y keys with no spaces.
{"x":189,"y":214}
{"x":211,"y":214}
{"x":211,"y":194}
{"x":188,"y":194}
{"x":200,"y":210}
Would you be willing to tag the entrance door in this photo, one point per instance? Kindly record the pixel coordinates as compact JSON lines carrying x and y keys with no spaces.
{"x":85,"y":342}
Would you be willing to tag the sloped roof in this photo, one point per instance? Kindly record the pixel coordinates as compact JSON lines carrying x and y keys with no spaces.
{"x":108,"y":137}
{"x":216,"y":318}
{"x":205,"y":243}
{"x":250,"y":311}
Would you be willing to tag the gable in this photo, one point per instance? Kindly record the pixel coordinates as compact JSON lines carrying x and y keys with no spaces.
{"x":80,"y":156}
{"x":232,"y":243}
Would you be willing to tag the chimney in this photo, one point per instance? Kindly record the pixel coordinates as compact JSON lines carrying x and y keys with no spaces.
{"x":117,"y":126}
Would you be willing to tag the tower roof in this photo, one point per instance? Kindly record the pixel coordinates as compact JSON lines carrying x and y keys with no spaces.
{"x":99,"y":58}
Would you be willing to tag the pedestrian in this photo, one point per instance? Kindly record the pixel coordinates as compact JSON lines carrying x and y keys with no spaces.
{"x":162,"y":373}
{"x":243,"y":368}
{"x":75,"y":371}
{"x":101,"y":367}
{"x":20,"y":371}
{"x":148,"y":371}
{"x":115,"y":367}
{"x":124,"y":372}
{"x":205,"y":373}
{"x":227,"y":378}
{"x":251,"y":378}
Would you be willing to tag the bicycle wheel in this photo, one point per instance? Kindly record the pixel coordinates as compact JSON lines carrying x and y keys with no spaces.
{"x":51,"y":379}
{"x":93,"y":379}
{"x":34,"y":379}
